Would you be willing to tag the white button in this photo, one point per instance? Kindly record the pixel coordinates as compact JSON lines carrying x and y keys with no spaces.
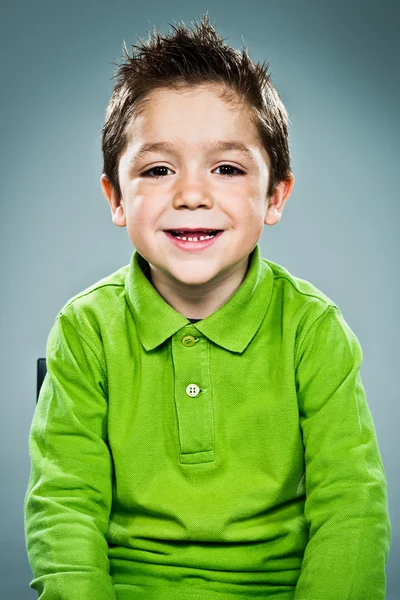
{"x":192,"y":390}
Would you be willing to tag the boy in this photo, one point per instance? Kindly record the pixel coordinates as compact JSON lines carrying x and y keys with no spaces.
{"x":202,"y":431}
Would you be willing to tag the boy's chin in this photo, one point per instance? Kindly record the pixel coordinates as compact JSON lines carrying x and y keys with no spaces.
{"x":194,"y":277}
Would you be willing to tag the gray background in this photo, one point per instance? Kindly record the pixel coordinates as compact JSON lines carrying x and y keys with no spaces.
{"x":335,"y":65}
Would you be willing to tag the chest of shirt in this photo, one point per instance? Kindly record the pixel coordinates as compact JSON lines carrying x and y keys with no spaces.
{"x":192,"y":420}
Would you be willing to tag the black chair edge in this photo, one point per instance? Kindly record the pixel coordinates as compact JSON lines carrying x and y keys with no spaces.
{"x":40,"y":375}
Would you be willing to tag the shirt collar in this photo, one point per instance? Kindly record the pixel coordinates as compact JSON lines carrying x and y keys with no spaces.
{"x":232,"y":326}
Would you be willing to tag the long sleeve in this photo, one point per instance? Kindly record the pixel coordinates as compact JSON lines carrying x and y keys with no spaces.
{"x":68,"y":500}
{"x":346,"y":506}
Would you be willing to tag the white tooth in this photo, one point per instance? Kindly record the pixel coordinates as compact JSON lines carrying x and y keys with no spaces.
{"x":194,"y":239}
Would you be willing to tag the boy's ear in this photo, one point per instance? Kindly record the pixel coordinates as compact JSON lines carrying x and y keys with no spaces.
{"x":277,"y":200}
{"x":117,"y":206}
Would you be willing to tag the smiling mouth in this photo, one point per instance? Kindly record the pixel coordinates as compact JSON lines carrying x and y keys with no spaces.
{"x":194,"y":236}
{"x":194,"y":240}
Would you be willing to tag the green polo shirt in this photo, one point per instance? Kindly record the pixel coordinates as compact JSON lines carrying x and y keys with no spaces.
{"x":230,"y":457}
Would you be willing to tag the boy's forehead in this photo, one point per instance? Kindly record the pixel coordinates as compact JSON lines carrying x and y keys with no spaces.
{"x":200,"y":104}
{"x":212,"y":89}
{"x":151,"y":129}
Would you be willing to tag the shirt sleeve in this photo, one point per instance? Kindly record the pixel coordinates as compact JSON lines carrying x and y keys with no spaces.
{"x":68,"y":500}
{"x":346,"y":507}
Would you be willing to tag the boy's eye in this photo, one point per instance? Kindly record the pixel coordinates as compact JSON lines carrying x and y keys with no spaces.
{"x":146,"y":173}
{"x":238,"y":171}
{"x":153,"y":169}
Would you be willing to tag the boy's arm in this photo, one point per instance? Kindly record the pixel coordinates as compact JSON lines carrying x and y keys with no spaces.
{"x":68,"y":500}
{"x":346,"y":499}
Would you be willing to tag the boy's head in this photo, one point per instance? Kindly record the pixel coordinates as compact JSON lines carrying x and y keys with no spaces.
{"x":224,"y":163}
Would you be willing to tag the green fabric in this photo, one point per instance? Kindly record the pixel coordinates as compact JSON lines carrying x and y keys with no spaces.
{"x":267,"y":483}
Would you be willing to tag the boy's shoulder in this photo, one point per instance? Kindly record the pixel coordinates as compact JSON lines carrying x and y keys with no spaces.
{"x":301,"y":304}
{"x":114,"y":279}
{"x":303,"y":290}
{"x":99,"y":300}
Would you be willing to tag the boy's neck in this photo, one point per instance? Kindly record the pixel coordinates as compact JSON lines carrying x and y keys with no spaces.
{"x":197,"y":303}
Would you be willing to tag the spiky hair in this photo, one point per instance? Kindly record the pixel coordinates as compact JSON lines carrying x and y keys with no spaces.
{"x":185,"y":58}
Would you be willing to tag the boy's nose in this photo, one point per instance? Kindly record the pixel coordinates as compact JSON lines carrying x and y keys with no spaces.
{"x":193,"y":191}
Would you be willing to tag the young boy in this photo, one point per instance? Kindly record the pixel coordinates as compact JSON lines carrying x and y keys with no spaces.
{"x":202,"y":431}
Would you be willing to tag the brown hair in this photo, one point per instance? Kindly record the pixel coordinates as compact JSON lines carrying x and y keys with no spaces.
{"x":193,"y":57}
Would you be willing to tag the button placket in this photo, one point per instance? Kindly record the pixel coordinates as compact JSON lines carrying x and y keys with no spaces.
{"x":193,"y":398}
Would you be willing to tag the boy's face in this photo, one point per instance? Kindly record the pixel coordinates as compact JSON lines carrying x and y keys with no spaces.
{"x":191,"y":186}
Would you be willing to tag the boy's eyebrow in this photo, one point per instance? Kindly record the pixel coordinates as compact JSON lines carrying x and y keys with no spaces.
{"x":217,"y":146}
